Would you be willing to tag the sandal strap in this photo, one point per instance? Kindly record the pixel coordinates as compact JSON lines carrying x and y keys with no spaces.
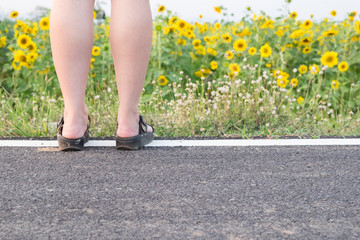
{"x":60,"y":125}
{"x":143,"y":124}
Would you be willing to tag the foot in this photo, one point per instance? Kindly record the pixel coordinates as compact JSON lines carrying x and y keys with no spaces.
{"x":128,"y":125}
{"x":75,"y":125}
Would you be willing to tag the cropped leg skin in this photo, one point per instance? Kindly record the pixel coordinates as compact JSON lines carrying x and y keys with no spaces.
{"x":131,"y":40}
{"x":71,"y":35}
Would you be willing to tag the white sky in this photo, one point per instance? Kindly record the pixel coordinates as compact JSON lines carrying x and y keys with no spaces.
{"x":190,"y":9}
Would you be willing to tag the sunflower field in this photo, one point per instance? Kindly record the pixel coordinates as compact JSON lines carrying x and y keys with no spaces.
{"x":254,"y":77}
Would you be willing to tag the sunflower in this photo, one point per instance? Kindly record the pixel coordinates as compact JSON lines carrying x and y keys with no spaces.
{"x":305,"y":41}
{"x":32,"y":47}
{"x":181,"y":25}
{"x":213,"y":65}
{"x":278,"y":74}
{"x":96,"y":51}
{"x":282,"y":82}
{"x":161,"y":9}
{"x":19,"y":56}
{"x":240,"y":45}
{"x":357,"y":27}
{"x":217,"y":25}
{"x":2,"y":41}
{"x":330,"y":33}
{"x":162,"y":80}
{"x":297,"y":33}
{"x":265,"y":51}
{"x":229,"y":55}
{"x":329,"y":59}
{"x":226,"y":37}
{"x":201,"y":50}
{"x":196,"y":43}
{"x":293,"y":15}
{"x":307,"y":24}
{"x":234,"y":68}
{"x":44,"y":23}
{"x":23,"y":41}
{"x":294,"y":82}
{"x":303,"y":69}
{"x":181,"y":41}
{"x":252,"y":51}
{"x":333,"y":13}
{"x":211,"y":51}
{"x":343,"y":66}
{"x":217,"y":9}
{"x":335,"y":84}
{"x":306,"y":50}
{"x":94,"y":14}
{"x":300,"y":100}
{"x":14,"y":14}
{"x":15,"y":66}
{"x":31,"y":57}
{"x":314,"y":69}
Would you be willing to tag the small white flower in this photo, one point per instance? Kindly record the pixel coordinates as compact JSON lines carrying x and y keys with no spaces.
{"x":295,"y":70}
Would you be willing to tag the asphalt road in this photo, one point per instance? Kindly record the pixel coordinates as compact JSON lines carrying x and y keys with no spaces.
{"x":181,"y":193}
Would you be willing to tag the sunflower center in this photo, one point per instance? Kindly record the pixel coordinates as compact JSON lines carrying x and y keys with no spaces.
{"x":329,"y":59}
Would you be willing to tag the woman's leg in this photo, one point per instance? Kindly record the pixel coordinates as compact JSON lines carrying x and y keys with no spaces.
{"x":71,"y":34}
{"x":131,"y":40}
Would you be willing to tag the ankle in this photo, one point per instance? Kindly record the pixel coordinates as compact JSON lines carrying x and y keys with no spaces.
{"x":128,"y":115}
{"x":75,"y":114}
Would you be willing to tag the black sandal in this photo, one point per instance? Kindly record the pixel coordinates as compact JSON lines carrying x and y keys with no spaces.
{"x":66,"y":144}
{"x":136,"y":142}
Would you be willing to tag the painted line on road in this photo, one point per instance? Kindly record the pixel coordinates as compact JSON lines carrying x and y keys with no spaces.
{"x":196,"y":143}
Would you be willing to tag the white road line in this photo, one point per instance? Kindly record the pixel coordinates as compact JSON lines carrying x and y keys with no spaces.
{"x":196,"y":143}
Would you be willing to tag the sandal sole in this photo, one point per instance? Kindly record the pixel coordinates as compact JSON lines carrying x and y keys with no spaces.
{"x":66,"y":144}
{"x":134,"y":143}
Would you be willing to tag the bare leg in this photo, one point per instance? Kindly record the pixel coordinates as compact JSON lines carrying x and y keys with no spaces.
{"x":71,"y":34}
{"x":130,"y":39}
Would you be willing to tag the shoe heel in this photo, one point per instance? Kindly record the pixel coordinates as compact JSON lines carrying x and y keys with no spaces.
{"x":66,"y":144}
{"x":131,"y":144}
